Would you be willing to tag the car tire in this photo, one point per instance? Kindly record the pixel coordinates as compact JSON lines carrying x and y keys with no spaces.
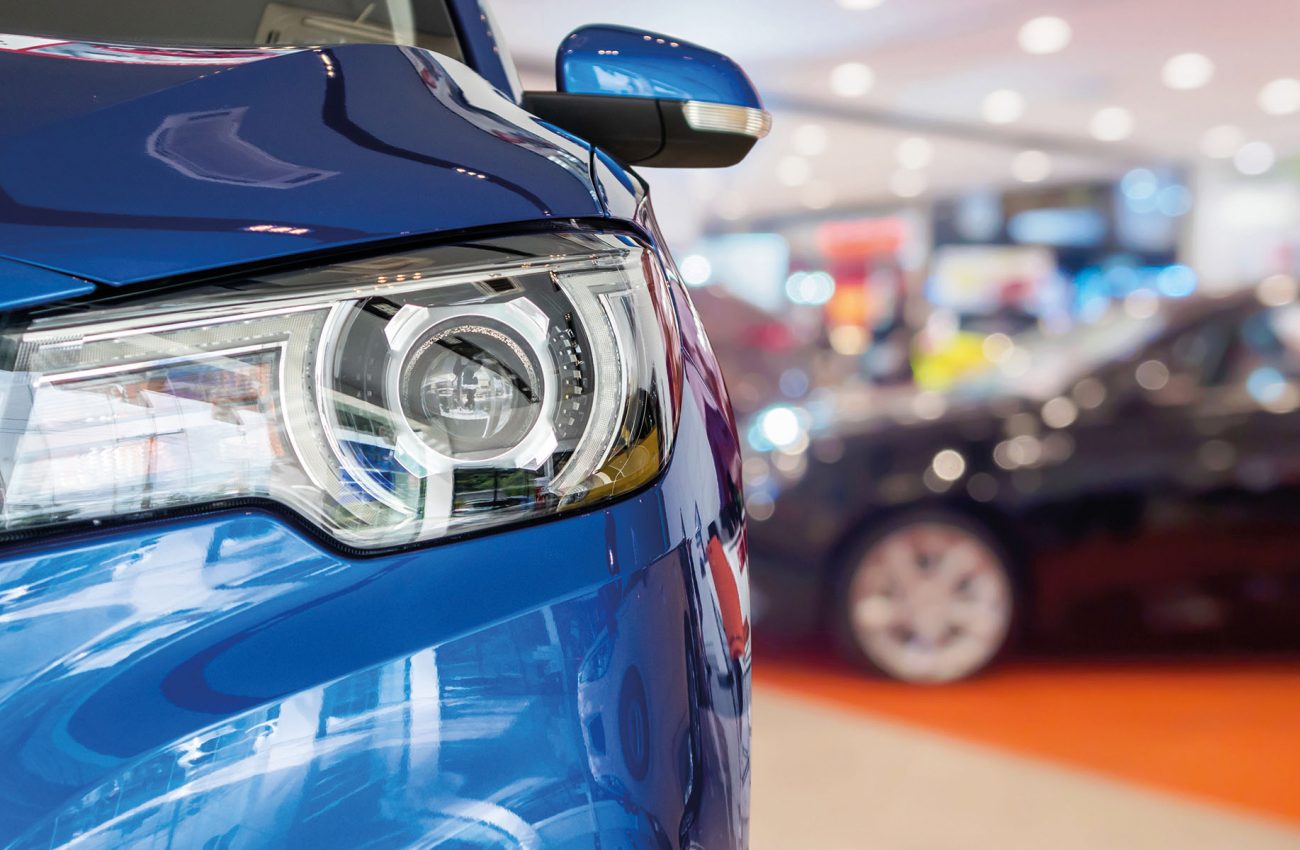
{"x":927,"y":598}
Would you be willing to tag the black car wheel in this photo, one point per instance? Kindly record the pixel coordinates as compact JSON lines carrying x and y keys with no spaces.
{"x":927,"y":598}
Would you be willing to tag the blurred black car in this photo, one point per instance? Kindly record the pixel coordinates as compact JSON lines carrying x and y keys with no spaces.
{"x":1142,"y":465}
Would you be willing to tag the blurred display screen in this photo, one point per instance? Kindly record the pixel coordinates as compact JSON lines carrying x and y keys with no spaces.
{"x":1074,"y":228}
{"x":986,"y":278}
{"x":751,"y":266}
{"x":1086,"y":223}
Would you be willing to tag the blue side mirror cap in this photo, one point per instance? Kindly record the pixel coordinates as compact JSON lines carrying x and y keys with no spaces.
{"x":610,"y":60}
{"x":651,"y":99}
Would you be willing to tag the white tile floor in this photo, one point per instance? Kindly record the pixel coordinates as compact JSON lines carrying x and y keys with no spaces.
{"x":830,"y":779}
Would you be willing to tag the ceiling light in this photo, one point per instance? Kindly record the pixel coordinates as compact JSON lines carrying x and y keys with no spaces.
{"x":860,"y":5}
{"x":1031,"y":166}
{"x":793,"y":171}
{"x":1280,"y":97}
{"x":948,"y":465}
{"x":1222,"y":142}
{"x":907,"y":184}
{"x":915,"y":152}
{"x":1254,"y":158}
{"x":1044,"y":35}
{"x":1111,"y":124}
{"x":852,"y":79}
{"x":1187,"y":71}
{"x":1003,"y":106}
{"x":810,"y":139}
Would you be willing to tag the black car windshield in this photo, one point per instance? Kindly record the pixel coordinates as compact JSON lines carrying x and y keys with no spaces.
{"x":236,"y":23}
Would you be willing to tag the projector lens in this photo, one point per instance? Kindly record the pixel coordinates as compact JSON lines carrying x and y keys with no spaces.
{"x":471,"y":390}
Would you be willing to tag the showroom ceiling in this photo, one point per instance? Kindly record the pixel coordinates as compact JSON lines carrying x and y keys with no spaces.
{"x":1095,"y":107}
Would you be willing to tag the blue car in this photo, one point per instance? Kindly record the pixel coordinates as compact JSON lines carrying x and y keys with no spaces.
{"x":367,"y":478}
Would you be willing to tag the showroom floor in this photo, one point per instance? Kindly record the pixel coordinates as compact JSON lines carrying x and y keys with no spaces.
{"x":1123,"y":756}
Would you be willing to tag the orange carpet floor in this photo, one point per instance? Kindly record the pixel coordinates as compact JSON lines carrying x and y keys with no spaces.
{"x":1227,"y":732}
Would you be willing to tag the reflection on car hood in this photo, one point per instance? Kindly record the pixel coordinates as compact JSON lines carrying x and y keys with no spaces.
{"x":130,"y":165}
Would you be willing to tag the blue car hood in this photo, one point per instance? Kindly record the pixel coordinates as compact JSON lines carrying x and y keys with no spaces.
{"x":143,"y":166}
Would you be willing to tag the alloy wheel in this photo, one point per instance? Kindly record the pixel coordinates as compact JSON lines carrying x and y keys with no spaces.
{"x":930,"y":602}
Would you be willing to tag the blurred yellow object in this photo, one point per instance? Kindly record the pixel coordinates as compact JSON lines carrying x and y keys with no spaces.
{"x":939,"y":370}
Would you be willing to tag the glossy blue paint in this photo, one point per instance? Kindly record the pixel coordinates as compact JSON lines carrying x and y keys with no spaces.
{"x":56,"y":89}
{"x":610,"y":60}
{"x":622,"y":192}
{"x":249,"y":162}
{"x":225,"y":682}
{"x":22,"y":285}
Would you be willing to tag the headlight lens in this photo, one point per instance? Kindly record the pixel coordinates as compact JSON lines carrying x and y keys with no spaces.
{"x":387,"y":401}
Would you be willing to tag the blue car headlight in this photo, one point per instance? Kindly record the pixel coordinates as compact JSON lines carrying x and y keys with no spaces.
{"x":386,"y":401}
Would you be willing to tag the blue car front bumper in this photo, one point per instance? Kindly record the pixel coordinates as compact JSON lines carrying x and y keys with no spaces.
{"x":227,"y":682}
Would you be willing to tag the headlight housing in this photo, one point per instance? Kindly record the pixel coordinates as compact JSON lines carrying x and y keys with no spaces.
{"x":387,"y":401}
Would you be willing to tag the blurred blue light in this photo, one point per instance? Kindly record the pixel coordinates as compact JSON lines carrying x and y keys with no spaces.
{"x":979,"y":216}
{"x":1092,"y":305}
{"x":1176,"y":281}
{"x":1121,"y":279}
{"x":1266,"y":385}
{"x":1088,"y":278}
{"x":1174,"y":201}
{"x":757,"y":442}
{"x":1065,"y":227}
{"x":1144,"y":206}
{"x":1139,"y":184}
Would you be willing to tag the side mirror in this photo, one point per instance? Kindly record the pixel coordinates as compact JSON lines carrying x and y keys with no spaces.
{"x":652,"y":100}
